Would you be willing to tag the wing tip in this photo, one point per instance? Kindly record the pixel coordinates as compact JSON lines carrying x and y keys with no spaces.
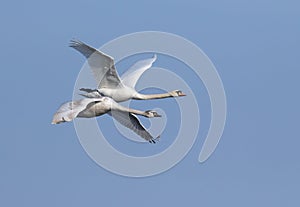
{"x":74,"y":42}
{"x":154,"y":57}
{"x":153,"y":141}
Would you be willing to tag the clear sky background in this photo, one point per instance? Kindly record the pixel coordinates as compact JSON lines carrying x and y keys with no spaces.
{"x":255,"y":48}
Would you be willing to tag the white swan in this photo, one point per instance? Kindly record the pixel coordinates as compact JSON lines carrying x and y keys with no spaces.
{"x":92,"y":107}
{"x":110,"y":84}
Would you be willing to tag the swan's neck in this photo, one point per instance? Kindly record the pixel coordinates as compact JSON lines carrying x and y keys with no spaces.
{"x":129,"y":110}
{"x":140,"y":96}
{"x":137,"y":112}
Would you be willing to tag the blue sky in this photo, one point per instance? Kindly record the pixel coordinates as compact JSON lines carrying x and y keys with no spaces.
{"x":255,"y":48}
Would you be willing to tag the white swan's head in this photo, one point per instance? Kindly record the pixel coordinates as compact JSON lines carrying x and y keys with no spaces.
{"x":151,"y":114}
{"x":177,"y":93}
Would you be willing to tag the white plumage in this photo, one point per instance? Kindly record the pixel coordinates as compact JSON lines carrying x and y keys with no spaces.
{"x":109,"y":82}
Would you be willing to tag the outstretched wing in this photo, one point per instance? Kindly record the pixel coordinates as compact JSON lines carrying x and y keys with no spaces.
{"x":102,"y":65}
{"x":131,"y":77}
{"x":70,"y":110}
{"x":132,"y":122}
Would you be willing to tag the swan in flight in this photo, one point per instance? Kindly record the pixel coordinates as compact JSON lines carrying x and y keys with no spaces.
{"x":92,"y":107}
{"x":109,"y":82}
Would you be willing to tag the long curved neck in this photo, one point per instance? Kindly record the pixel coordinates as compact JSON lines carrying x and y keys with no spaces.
{"x":129,"y":110}
{"x":140,"y":96}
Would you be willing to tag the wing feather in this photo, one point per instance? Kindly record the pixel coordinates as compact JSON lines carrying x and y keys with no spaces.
{"x":101,"y":64}
{"x":131,"y":77}
{"x":130,"y":121}
{"x":70,"y":110}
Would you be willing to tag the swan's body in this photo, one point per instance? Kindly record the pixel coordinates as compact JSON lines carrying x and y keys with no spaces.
{"x":97,"y":106}
{"x":118,"y":94}
{"x":109,"y":82}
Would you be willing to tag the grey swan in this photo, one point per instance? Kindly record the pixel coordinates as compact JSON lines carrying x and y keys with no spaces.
{"x":99,"y":105}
